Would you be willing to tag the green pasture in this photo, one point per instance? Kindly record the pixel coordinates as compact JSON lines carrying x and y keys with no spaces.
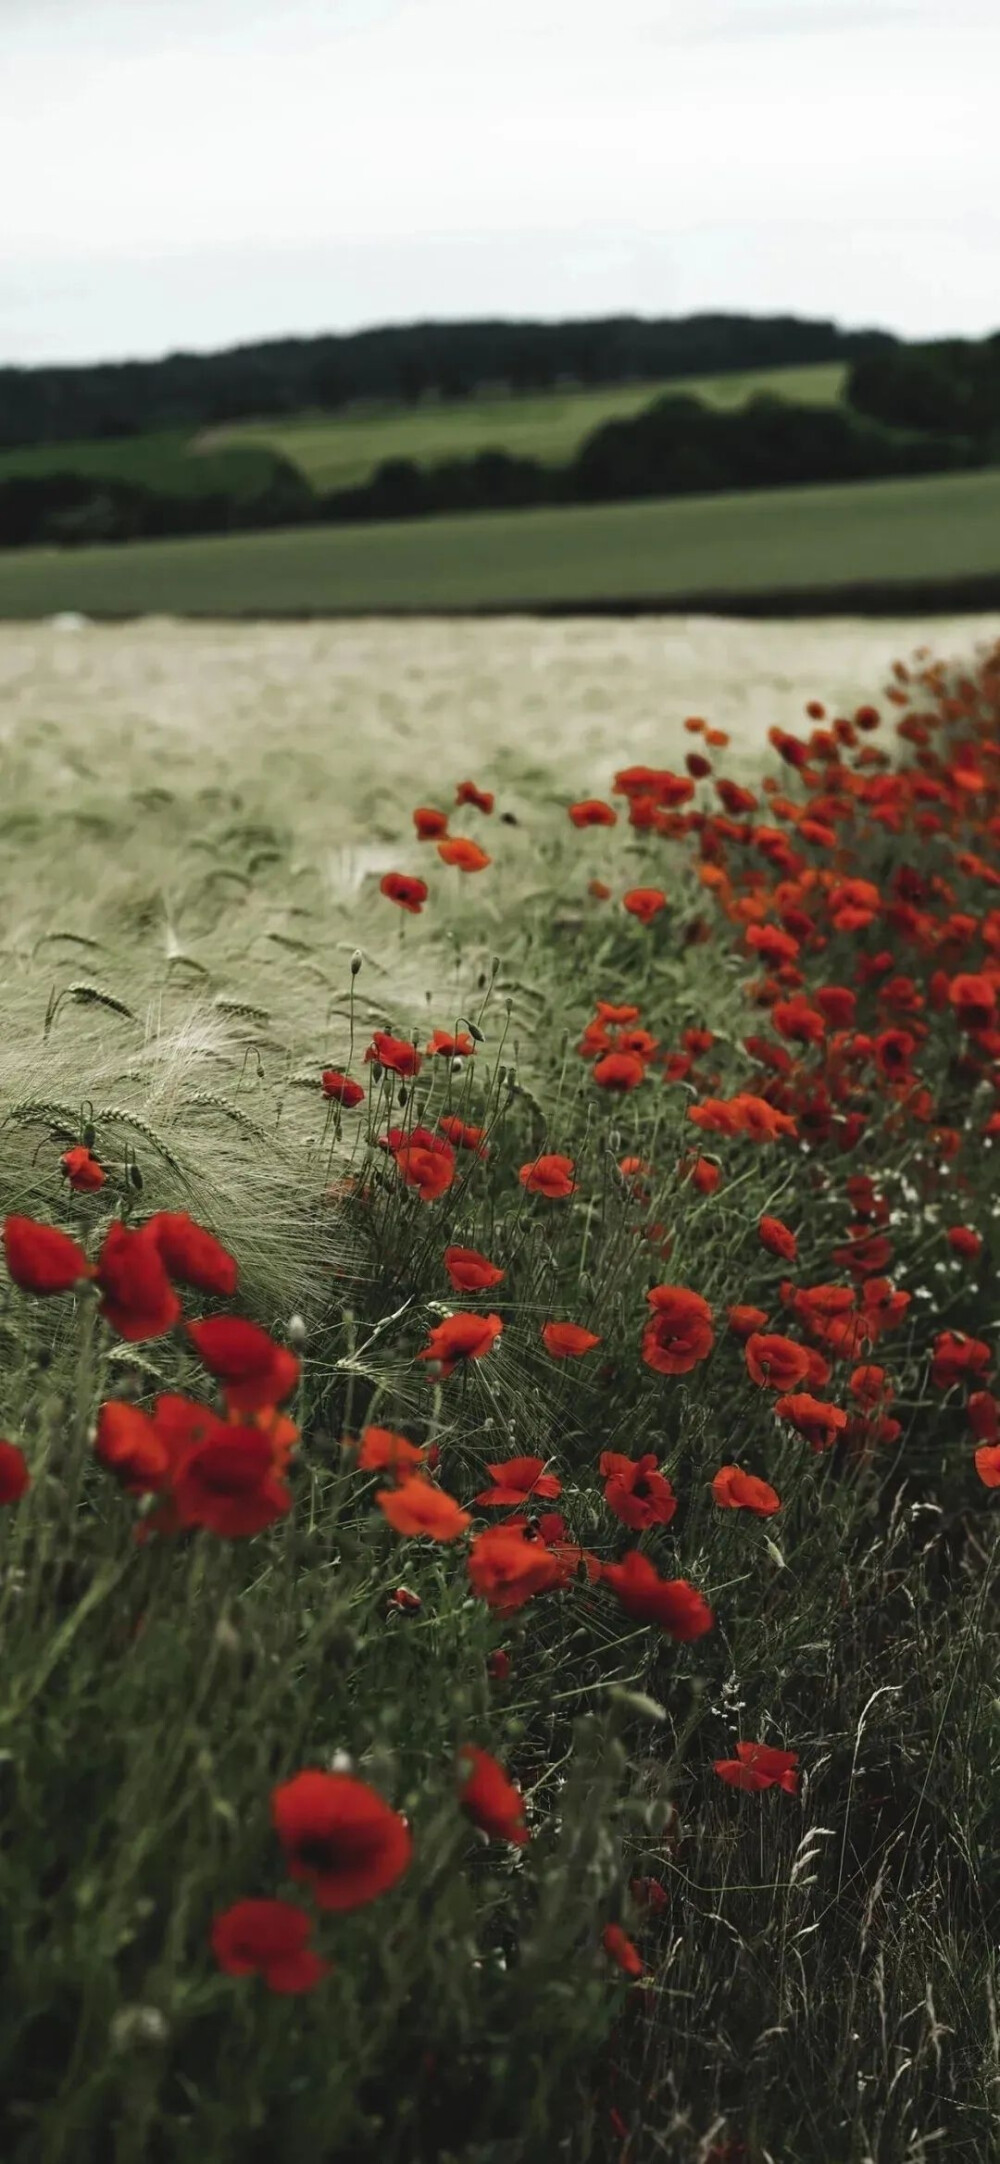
{"x":167,"y":461}
{"x":938,"y":528}
{"x":340,"y":450}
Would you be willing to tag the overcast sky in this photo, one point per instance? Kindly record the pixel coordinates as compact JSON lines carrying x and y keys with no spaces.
{"x":198,"y":172}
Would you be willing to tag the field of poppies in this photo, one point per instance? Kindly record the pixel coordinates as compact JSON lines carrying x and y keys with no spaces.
{"x":498,"y":1567}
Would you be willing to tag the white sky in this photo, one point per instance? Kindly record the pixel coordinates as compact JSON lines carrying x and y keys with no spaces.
{"x":197,"y":172}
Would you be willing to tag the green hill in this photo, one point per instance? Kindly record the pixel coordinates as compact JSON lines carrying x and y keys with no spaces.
{"x":343,"y":449}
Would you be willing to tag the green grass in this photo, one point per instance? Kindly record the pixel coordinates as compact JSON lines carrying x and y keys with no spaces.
{"x":340,"y":450}
{"x":168,"y":461}
{"x":822,"y":1977}
{"x":944,"y":527}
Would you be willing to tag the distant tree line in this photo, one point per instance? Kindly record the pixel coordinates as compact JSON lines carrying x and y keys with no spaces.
{"x":69,"y":509}
{"x":953,"y":385}
{"x":676,"y":447}
{"x":921,"y":409}
{"x":402,"y":363}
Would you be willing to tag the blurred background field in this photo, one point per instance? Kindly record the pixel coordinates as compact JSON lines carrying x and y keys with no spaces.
{"x":338,"y":729}
{"x":938,"y":528}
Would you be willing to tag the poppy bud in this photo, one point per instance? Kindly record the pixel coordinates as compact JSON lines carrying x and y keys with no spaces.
{"x":401,"y":1094}
{"x":356,"y":960}
{"x":135,"y":1177}
{"x":296,"y":1331}
{"x":475,"y":1034}
{"x":88,"y":1137}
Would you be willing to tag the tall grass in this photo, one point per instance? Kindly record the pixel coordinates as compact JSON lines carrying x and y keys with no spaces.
{"x":816,"y":1962}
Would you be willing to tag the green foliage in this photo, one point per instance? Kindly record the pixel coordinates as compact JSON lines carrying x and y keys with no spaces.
{"x":953,"y":385}
{"x":821,"y":1985}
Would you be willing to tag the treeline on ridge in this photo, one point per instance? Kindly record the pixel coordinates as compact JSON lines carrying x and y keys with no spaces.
{"x":401,"y":364}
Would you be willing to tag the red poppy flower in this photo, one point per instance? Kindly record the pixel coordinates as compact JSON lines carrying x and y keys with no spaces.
{"x":893,"y":1050}
{"x":190,"y":1255}
{"x":965,"y":1242}
{"x":462,"y":1136}
{"x":773,"y":946}
{"x":644,"y":903}
{"x":671,"y":1602}
{"x":340,"y":1838}
{"x":459,"y":1338}
{"x":489,"y":1798}
{"x":974,"y":1000}
{"x":777,"y":1239}
{"x":465,"y":855}
{"x":741,"y":1115}
{"x":341,"y":1088}
{"x":838,"y":1004}
{"x":394,"y":1053}
{"x":957,"y":1359}
{"x":988,"y":1464}
{"x":552,"y":1176}
{"x":775,"y":1362}
{"x":705,"y":1176}
{"x":82,"y":1170}
{"x":736,"y":1490}
{"x":410,"y":894}
{"x":679,"y":1335}
{"x":757,"y":1766}
{"x":984,"y":1416}
{"x":15,"y":1478}
{"x":567,"y":1341}
{"x":138,"y":1298}
{"x":42,"y":1259}
{"x":418,"y":1509}
{"x":650,"y":1895}
{"x":427,"y":1165}
{"x":593,"y":812}
{"x":619,"y":1949}
{"x":636,"y":1490}
{"x":431,"y":825}
{"x":795,"y":1018}
{"x":600,"y":890}
{"x":507,"y":1570}
{"x":229,"y":1485}
{"x":469,"y":1271}
{"x":449,"y":1045}
{"x":498,"y":1665}
{"x":620,"y":1071}
{"x":127,"y":1442}
{"x":819,"y":1423}
{"x":253,"y":1370}
{"x":268,"y":1939}
{"x":468,"y":793}
{"x":869,"y":1385}
{"x":515,"y":1479}
{"x":381,"y":1450}
{"x":744,"y":1322}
